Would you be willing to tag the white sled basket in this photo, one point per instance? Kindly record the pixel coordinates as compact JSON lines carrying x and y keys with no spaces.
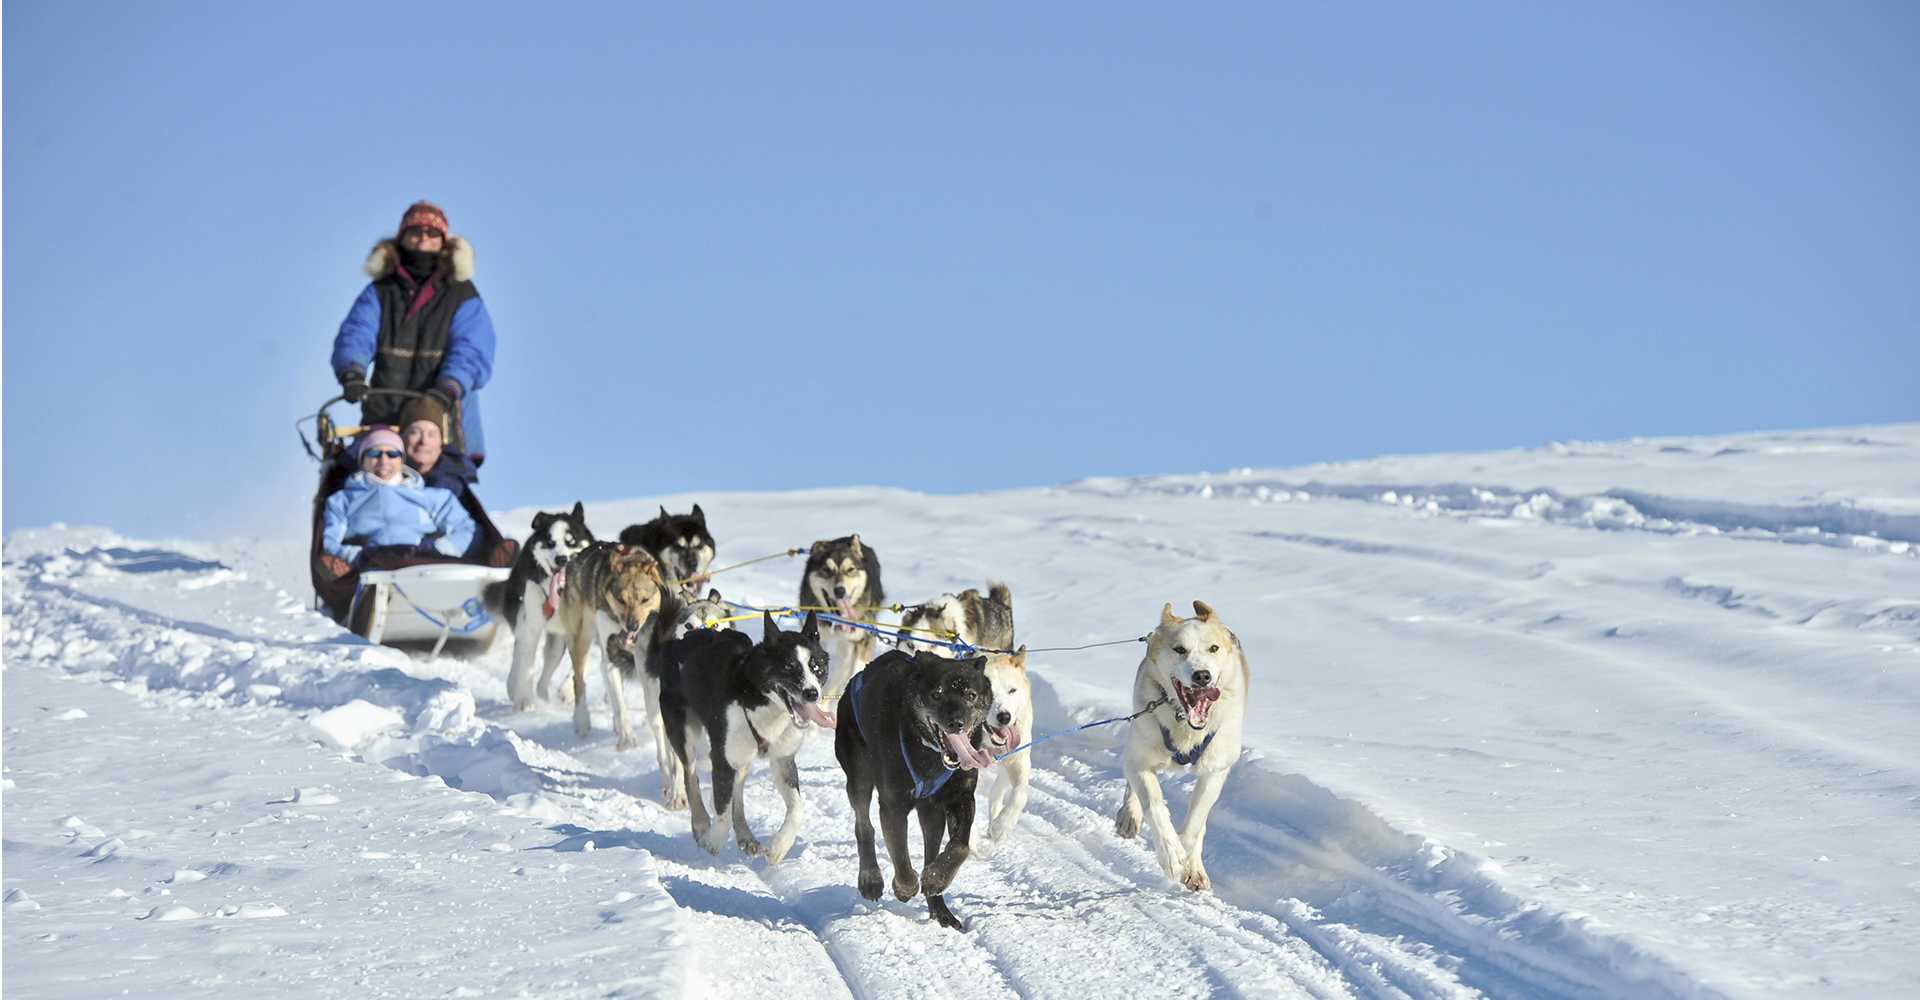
{"x":432,"y":603}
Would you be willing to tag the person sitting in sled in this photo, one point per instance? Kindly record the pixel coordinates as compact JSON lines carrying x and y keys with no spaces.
{"x":423,"y":430}
{"x":419,"y":325}
{"x":386,"y":506}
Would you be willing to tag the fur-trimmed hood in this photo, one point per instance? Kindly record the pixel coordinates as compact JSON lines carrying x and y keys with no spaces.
{"x":456,"y":256}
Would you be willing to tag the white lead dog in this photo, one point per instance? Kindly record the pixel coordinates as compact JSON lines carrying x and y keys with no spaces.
{"x":1195,"y":677}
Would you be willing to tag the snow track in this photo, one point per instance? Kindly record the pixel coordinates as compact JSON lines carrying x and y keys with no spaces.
{"x":1062,"y":909}
{"x":1584,"y":740}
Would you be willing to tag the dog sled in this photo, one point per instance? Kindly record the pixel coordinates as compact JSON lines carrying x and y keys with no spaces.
{"x":399,"y":595}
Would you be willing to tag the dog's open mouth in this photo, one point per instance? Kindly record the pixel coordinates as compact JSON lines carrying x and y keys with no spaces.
{"x":844,"y":606}
{"x":1195,"y":703}
{"x":809,"y":713}
{"x":1000,"y":739}
{"x":965,"y":750}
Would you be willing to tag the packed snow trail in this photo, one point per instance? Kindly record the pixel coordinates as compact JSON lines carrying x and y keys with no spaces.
{"x":1496,"y":750}
{"x":1061,"y":908}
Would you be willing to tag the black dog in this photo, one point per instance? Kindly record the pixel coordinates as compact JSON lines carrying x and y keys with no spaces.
{"x":681,"y":544}
{"x":743,"y":701}
{"x":913,"y":728}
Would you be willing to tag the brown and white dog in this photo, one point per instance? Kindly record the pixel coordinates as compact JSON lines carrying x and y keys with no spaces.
{"x":984,"y":620}
{"x":844,"y":574}
{"x":611,"y":591}
{"x":1195,"y":677}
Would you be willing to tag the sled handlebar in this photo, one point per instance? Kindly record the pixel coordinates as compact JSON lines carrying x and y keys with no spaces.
{"x":327,"y":433}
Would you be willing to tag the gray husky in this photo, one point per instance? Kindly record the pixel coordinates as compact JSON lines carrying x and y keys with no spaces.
{"x":967,"y":616}
{"x":844,"y":574}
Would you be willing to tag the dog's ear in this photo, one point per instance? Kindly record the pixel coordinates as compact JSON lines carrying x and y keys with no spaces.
{"x":975,"y":664}
{"x":1020,"y":657}
{"x":540,"y":521}
{"x":770,"y":629}
{"x":859,"y":551}
{"x":698,"y":516}
{"x":1206,"y":613}
{"x":713,"y":594}
{"x":663,"y":512}
{"x":1167,"y":617}
{"x":580,"y":512}
{"x":819,"y":548}
{"x":811,"y":627}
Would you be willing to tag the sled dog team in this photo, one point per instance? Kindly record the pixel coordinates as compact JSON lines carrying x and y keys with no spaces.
{"x":912,"y":726}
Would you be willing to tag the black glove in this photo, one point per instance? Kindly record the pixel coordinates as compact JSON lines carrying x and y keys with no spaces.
{"x":444,"y":395}
{"x":353,"y":385}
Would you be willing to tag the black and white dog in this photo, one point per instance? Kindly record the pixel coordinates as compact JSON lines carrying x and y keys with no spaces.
{"x":532,"y":596}
{"x":913,"y":729}
{"x":844,"y":574}
{"x":682,"y":545}
{"x":724,"y":696}
{"x":678,"y":618}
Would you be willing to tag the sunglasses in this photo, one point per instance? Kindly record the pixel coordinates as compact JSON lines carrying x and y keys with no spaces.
{"x":382,"y":453}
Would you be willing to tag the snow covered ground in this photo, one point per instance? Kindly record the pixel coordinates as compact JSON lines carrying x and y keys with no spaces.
{"x":1622,"y":719}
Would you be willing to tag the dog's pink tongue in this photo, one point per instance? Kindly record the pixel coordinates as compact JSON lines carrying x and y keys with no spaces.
{"x":818,"y":716}
{"x":1014,"y":736}
{"x":966,"y":753}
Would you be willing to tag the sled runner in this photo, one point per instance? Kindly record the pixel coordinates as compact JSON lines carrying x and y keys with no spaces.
{"x":400,"y":594}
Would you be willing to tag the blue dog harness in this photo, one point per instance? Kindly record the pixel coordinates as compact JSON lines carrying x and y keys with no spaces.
{"x":922,"y":787}
{"x":1190,"y":758}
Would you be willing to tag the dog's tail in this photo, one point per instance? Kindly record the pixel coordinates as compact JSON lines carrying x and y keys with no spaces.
{"x":998,"y":593}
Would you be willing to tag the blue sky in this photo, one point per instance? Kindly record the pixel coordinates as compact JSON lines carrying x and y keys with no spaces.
{"x":950,"y":249}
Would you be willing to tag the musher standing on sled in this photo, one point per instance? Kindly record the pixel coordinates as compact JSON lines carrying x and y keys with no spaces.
{"x":419,"y":325}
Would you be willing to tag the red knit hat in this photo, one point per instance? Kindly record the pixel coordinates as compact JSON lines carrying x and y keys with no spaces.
{"x":424,"y":213}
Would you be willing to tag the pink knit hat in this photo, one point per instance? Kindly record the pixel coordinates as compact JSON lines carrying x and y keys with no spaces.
{"x":378,"y":437}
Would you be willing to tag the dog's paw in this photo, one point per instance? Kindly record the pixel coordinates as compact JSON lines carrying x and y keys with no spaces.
{"x":675,"y":799}
{"x":871,"y":884}
{"x":937,"y":909}
{"x":713,"y":840}
{"x":627,"y":741}
{"x":1126,"y":823}
{"x":906,"y":886}
{"x":749,"y":845}
{"x":778,"y":852}
{"x":1195,"y":877}
{"x":523,"y":702}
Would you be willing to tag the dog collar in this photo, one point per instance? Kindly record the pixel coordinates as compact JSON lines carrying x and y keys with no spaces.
{"x":761,"y":741}
{"x":1189,"y":758}
{"x":923,"y":787}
